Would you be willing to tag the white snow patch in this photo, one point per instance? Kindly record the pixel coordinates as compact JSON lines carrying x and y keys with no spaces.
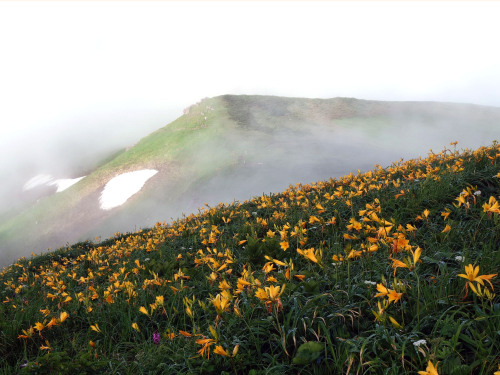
{"x":41,"y":179}
{"x":120,"y":188}
{"x":47,"y":180}
{"x":64,"y":183}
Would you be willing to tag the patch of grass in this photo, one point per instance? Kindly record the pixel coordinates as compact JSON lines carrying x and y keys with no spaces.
{"x":362,"y":274}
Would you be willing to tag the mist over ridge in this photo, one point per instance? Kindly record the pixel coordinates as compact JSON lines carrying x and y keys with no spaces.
{"x":234,"y":147}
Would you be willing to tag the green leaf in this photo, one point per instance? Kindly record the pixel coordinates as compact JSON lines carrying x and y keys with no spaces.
{"x":308,"y":352}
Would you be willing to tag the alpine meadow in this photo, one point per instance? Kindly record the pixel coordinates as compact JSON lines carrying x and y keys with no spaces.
{"x":230,"y":147}
{"x":318,"y":262}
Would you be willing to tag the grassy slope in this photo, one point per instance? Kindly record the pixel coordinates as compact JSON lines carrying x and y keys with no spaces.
{"x":164,"y":149}
{"x":247,"y":145}
{"x":207,"y":282}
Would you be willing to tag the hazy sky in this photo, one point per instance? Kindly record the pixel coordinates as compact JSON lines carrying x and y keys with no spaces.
{"x":131,"y":67}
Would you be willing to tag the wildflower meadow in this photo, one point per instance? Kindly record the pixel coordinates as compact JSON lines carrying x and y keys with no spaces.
{"x":391,"y":271}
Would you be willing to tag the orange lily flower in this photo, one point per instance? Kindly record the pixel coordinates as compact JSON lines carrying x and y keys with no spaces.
{"x":430,"y":370}
{"x":220,"y":350}
{"x":394,"y":296}
{"x":472,"y":275}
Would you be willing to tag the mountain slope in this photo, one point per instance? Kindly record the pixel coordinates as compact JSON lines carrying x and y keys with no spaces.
{"x":235,"y":147}
{"x":390,"y":271}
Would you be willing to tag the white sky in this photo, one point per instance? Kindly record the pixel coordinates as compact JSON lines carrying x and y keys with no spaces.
{"x":118,"y":64}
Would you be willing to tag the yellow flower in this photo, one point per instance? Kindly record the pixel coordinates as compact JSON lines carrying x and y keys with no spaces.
{"x":394,"y":296}
{"x":410,"y":228}
{"x":242,"y":283}
{"x":398,"y":264}
{"x":143,"y":310}
{"x":430,"y":370}
{"x":383,"y":291}
{"x":268,"y":267}
{"x":481,"y":293}
{"x":356,"y":225}
{"x":447,"y":228}
{"x":95,"y":328}
{"x":273,"y":292}
{"x":284,"y":245}
{"x":416,"y":255}
{"x":461,"y":200}
{"x":261,"y":294}
{"x":446,"y":213}
{"x":223,"y":285}
{"x":275,"y":261}
{"x":136,"y":327}
{"x":491,"y":206}
{"x":350,"y":237}
{"x":53,"y":322}
{"x":206,"y":346}
{"x":314,"y":219}
{"x":212,"y":277}
{"x":63,"y":316}
{"x":27,"y":334}
{"x":353,"y":254}
{"x":39,"y":326}
{"x":310,"y":254}
{"x":159,"y":300}
{"x":472,"y":275}
{"x":46,"y":346}
{"x":45,"y":312}
{"x":409,"y":263}
{"x":391,"y":294}
{"x":270,"y":296}
{"x":221,"y":303}
{"x":220,"y":350}
{"x":332,"y":221}
{"x":68,"y":299}
{"x":338,"y":258}
{"x":402,"y":193}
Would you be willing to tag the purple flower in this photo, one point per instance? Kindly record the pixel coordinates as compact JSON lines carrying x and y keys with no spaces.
{"x":156,"y":338}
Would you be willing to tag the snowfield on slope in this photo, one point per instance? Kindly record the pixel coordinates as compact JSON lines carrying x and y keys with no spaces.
{"x":120,"y":188}
{"x":47,"y":180}
{"x":64,"y":183}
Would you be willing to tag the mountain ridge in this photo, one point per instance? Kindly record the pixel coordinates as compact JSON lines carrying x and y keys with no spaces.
{"x":234,"y":147}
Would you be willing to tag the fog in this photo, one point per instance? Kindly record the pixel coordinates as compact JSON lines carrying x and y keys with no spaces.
{"x":278,"y":142}
{"x":264,"y":161}
{"x":76,"y":143}
{"x":81,"y":81}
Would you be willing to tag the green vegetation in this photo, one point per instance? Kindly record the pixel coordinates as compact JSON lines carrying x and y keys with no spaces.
{"x":239,"y":147}
{"x":392,"y":271}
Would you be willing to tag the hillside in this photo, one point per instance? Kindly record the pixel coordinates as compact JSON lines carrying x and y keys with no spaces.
{"x":391,"y":271}
{"x":235,"y":147}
